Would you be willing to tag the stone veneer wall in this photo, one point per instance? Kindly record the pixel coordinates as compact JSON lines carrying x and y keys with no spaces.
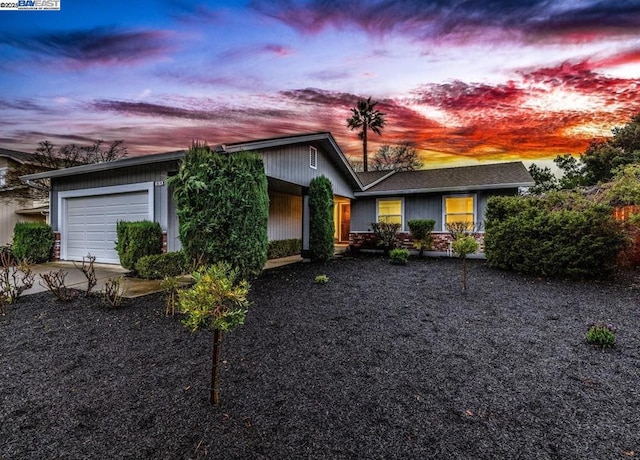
{"x":441,"y":240}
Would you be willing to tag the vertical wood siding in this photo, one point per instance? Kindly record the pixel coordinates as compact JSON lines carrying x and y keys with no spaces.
{"x":285,"y":216}
{"x":291,"y":164}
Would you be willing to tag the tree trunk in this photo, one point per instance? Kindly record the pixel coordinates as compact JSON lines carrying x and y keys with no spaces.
{"x":365,"y":163}
{"x":215,"y":367}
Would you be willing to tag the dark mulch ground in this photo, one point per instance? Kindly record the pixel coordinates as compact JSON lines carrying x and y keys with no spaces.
{"x":382,"y":362}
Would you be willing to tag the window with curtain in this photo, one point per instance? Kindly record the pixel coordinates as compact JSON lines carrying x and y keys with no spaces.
{"x":459,"y":209}
{"x":390,"y":211}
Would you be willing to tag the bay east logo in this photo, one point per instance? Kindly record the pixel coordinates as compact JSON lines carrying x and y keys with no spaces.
{"x":34,"y":5}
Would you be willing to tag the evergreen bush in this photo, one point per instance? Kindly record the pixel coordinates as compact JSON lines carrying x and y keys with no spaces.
{"x":283,"y":248}
{"x":553,"y":237}
{"x":136,"y":240}
{"x":399,"y":256}
{"x":223,"y":206}
{"x":421,"y":231}
{"x":159,"y":266}
{"x":32,"y":241}
{"x":386,"y":234}
{"x":321,"y":241}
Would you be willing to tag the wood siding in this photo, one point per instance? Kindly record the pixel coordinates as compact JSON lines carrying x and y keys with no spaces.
{"x":291,"y":164}
{"x":285,"y":216}
{"x":419,"y":206}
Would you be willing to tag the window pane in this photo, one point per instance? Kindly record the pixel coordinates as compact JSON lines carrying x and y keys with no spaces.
{"x":389,"y":207}
{"x":391,"y":219}
{"x":457,"y":205}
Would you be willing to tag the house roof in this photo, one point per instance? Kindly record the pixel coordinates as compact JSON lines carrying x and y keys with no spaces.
{"x":370,"y":178}
{"x":489,"y":176}
{"x":96,"y":167}
{"x":323,"y":139}
{"x":20,"y":157}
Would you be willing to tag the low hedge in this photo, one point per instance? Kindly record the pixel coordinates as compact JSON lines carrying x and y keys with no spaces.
{"x":136,"y":240}
{"x":552,"y":236}
{"x":32,"y":241}
{"x":283,"y":248}
{"x":159,"y":266}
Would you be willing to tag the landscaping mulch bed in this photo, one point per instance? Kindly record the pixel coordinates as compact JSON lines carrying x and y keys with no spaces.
{"x":384,"y":361}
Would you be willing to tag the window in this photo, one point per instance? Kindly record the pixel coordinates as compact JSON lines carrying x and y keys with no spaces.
{"x":313,"y":158}
{"x":390,"y":211}
{"x":3,"y":177}
{"x":459,"y":209}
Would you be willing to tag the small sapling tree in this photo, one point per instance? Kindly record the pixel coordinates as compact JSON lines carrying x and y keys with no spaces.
{"x":462,"y":246}
{"x":217,"y":301}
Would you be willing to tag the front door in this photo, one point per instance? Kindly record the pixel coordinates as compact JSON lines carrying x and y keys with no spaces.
{"x":345,"y":222}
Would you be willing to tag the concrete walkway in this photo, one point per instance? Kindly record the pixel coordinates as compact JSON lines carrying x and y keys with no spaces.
{"x":132,"y":287}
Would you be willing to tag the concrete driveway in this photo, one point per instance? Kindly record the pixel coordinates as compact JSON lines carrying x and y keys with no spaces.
{"x":131,"y":287}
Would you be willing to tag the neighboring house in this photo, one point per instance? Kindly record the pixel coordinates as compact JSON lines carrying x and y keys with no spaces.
{"x":88,"y":200}
{"x":18,"y":202}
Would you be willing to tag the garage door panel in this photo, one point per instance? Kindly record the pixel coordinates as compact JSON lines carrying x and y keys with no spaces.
{"x":90,"y":223}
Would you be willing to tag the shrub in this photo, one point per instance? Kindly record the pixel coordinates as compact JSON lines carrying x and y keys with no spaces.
{"x":32,"y":241}
{"x":159,"y":266}
{"x":421,"y":231}
{"x":552,"y":237}
{"x":399,"y":256}
{"x":136,"y":240}
{"x":321,"y":279}
{"x":321,"y":244}
{"x":223,"y":206}
{"x":113,"y":293}
{"x":386,"y":234}
{"x":601,"y":335}
{"x":54,"y":282}
{"x":283,"y":248}
{"x":462,"y":246}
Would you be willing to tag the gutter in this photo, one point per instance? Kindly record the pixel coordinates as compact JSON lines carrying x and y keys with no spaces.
{"x":459,"y":188}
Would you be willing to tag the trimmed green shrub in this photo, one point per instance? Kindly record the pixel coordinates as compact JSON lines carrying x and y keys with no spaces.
{"x":283,"y":248}
{"x":399,"y":256}
{"x":159,"y":266}
{"x":321,"y":279}
{"x":321,"y":242}
{"x":32,"y":241}
{"x":570,"y":238}
{"x":223,"y":206}
{"x":601,"y":335}
{"x":386,"y":234}
{"x":136,"y":240}
{"x":421,"y":231}
{"x":462,"y":246}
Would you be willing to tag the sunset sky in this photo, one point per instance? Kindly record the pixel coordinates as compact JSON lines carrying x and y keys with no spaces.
{"x":461,"y":81}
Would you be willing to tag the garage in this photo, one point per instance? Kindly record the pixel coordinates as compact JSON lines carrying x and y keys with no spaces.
{"x":89,"y":221}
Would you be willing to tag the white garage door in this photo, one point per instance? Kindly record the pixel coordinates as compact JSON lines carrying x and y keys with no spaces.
{"x":90,"y":223}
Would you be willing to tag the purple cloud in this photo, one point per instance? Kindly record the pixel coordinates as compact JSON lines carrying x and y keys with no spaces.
{"x":95,"y":46}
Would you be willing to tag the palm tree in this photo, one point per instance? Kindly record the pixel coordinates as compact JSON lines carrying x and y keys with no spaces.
{"x":365,"y":116}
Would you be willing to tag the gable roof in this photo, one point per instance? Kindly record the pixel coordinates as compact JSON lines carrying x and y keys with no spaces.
{"x":489,"y":176}
{"x":20,"y":157}
{"x":322,"y":139}
{"x":370,"y":178}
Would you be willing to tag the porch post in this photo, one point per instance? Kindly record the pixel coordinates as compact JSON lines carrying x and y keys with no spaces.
{"x":305,"y":223}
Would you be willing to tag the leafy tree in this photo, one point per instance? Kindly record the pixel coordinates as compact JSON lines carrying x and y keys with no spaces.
{"x":223,"y":206}
{"x":543,"y":177}
{"x":218,"y":302}
{"x":366,"y":117}
{"x":573,"y":171}
{"x":400,"y":157}
{"x":321,"y":243}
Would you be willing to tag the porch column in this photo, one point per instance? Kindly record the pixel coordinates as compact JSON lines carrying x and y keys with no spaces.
{"x":305,"y":224}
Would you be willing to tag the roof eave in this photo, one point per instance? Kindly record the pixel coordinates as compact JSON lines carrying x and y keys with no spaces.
{"x":97,"y":167}
{"x":460,"y":188}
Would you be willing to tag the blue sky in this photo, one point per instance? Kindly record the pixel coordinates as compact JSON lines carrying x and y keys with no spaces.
{"x":461,"y":81}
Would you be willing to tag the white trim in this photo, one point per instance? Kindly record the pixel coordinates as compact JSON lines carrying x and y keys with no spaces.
{"x":396,"y":198}
{"x":97,"y":191}
{"x":459,"y":195}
